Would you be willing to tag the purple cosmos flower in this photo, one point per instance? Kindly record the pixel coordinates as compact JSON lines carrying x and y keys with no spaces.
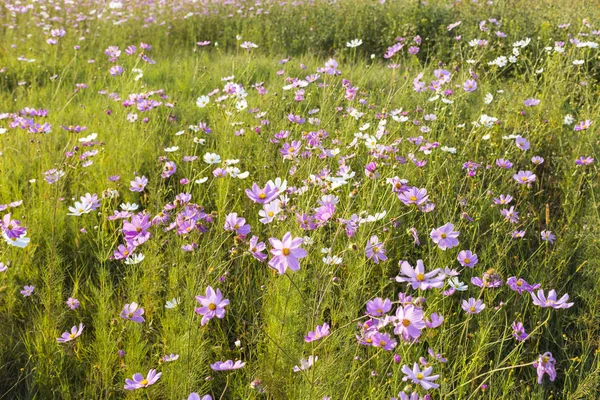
{"x":550,"y":301}
{"x":408,"y":322}
{"x":12,"y":227}
{"x":510,"y":214}
{"x":503,"y":199}
{"x":378,"y":307}
{"x":467,"y":259}
{"x":133,"y":313}
{"x":318,"y":333}
{"x":418,"y":279}
{"x":502,"y":163}
{"x":286,"y":253}
{"x":257,"y":248}
{"x":139,"y":381}
{"x":537,"y":160}
{"x":545,"y":365}
{"x":196,"y":396}
{"x":470,"y":85}
{"x":519,"y":331}
{"x":170,"y":357}
{"x":116,"y":70}
{"x":136,"y":231}
{"x":236,"y":224}
{"x":548,"y":236}
{"x":375,"y":250}
{"x":584,"y":160}
{"x":531,"y":102}
{"x":524,"y":177}
{"x":522,"y":143}
{"x":227,"y":365}
{"x":290,"y":151}
{"x":169,"y":168}
{"x":434,"y":321}
{"x":489,"y":279}
{"x":138,"y":184}
{"x":414,"y":195}
{"x":472,"y":306}
{"x":384,"y":341}
{"x":72,"y":303}
{"x":262,"y":196}
{"x":213,"y":305}
{"x":520,"y":285}
{"x":75,"y":332}
{"x":583,"y":125}
{"x":27,"y":290}
{"x":445,"y":236}
{"x":423,"y":378}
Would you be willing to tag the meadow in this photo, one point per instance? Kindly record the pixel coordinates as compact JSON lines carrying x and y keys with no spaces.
{"x":299,"y":199}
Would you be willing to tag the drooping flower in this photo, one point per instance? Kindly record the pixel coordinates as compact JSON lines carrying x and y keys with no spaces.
{"x":213,"y":305}
{"x":519,"y":331}
{"x":545,"y":365}
{"x":286,"y":253}
{"x":227,"y":365}
{"x":319,"y":333}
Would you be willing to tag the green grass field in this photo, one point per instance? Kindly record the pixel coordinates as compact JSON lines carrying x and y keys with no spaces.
{"x":342,"y":140}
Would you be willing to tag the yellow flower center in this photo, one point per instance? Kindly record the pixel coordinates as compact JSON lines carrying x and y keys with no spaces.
{"x":271,"y":213}
{"x":472,"y":309}
{"x":420,"y":376}
{"x":420,"y":277}
{"x":519,"y":283}
{"x":212,"y":306}
{"x":262,"y":196}
{"x":291,"y":149}
{"x":444,"y":236}
{"x":405,"y":322}
{"x":285,"y":252}
{"x":144,"y":382}
{"x":382,"y":343}
{"x":72,"y":336}
{"x":413,"y":198}
{"x":467,"y":261}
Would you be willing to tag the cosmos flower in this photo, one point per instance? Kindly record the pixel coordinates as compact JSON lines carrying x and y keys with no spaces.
{"x":68,"y":336}
{"x":467,"y":259}
{"x":140,"y":382}
{"x":545,"y":365}
{"x":212,"y":305}
{"x":262,"y":196}
{"x":550,"y":301}
{"x":408,"y":322}
{"x":305,"y":364}
{"x":445,"y":236}
{"x":375,"y":250}
{"x":378,"y":307}
{"x":228,"y":365}
{"x":133,"y":313}
{"x":519,"y":331}
{"x":472,"y":306}
{"x":319,"y":333}
{"x":418,"y":377}
{"x":286,"y":253}
{"x":418,"y":279}
{"x":524,"y":177}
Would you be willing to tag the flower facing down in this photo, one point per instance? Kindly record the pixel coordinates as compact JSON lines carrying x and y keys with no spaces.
{"x":320,"y":332}
{"x":213,"y":305}
{"x":286,"y":253}
{"x":423,"y":378}
{"x":139,"y":381}
{"x":445,"y":236}
{"x":550,"y":301}
{"x":545,"y":365}
{"x":67,"y":337}
{"x":133,"y":313}
{"x":227,"y":365}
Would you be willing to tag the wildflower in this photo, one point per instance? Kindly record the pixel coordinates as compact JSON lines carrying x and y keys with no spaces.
{"x":354,"y":43}
{"x":467,"y":259}
{"x":519,"y":331}
{"x":202,"y":101}
{"x":213,"y":305}
{"x":414,"y":196}
{"x":139,"y":381}
{"x":545,"y":365}
{"x":27,"y":290}
{"x":318,"y":333}
{"x":550,"y":301}
{"x":584,"y":161}
{"x":286,"y":252}
{"x":133,"y":313}
{"x":262,"y":196}
{"x":75,"y":332}
{"x":524,"y":177}
{"x":170,"y":357}
{"x":423,"y":378}
{"x":472,"y":306}
{"x":470,"y":85}
{"x":531,"y":102}
{"x":409,"y":322}
{"x":378,"y":307}
{"x":445,"y":236}
{"x":375,"y":250}
{"x":520,"y":285}
{"x":305,"y":364}
{"x":417,"y":277}
{"x":548,"y":236}
{"x":138,"y":184}
{"x":257,"y":248}
{"x":236,"y":224}
{"x":72,"y":303}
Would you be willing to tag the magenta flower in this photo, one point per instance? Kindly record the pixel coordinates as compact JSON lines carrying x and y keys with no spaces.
{"x":550,"y":301}
{"x":286,"y":253}
{"x":375,"y":250}
{"x":472,"y":306}
{"x":67,"y":337}
{"x":227,"y":365}
{"x":213,"y":305}
{"x":140,"y":382}
{"x":318,"y":333}
{"x":445,"y":236}
{"x":138,"y":184}
{"x":262,"y":196}
{"x":418,"y":377}
{"x":418,"y":279}
{"x":408,"y":322}
{"x":467,"y":259}
{"x":136,"y":231}
{"x":378,"y":307}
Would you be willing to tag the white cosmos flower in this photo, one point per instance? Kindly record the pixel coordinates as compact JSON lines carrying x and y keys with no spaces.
{"x":134,"y":259}
{"x":212,"y":158}
{"x":21,"y":242}
{"x":200,"y":181}
{"x":354,"y":43}
{"x":179,"y":133}
{"x":171,"y":149}
{"x":488,"y":98}
{"x":79,"y":209}
{"x":88,"y":138}
{"x":202,"y":101}
{"x":458,"y":285}
{"x":172,"y":303}
{"x":129,"y":206}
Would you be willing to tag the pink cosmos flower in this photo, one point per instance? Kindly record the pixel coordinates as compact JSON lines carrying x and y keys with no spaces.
{"x":286,"y":253}
{"x":213,"y":305}
{"x":75,"y":332}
